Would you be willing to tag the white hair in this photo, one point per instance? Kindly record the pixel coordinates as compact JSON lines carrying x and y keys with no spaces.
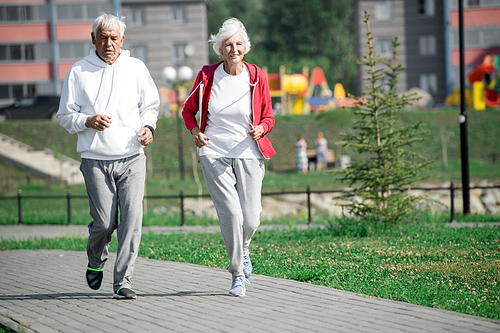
{"x":108,"y":22}
{"x":228,"y":29}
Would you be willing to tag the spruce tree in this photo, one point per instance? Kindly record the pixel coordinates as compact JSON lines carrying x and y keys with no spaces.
{"x":387,"y":168}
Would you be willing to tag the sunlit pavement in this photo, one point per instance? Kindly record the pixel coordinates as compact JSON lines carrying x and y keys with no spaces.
{"x":45,"y":291}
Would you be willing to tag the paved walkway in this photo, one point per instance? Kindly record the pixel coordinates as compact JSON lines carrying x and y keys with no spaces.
{"x":45,"y":291}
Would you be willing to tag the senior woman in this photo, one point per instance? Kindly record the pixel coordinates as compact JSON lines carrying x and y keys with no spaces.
{"x":236,"y":114}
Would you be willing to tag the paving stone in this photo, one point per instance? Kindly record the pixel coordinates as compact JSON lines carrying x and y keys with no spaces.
{"x":179,"y":297}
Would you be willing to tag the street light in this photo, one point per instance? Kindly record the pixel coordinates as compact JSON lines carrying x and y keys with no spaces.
{"x":170,"y":74}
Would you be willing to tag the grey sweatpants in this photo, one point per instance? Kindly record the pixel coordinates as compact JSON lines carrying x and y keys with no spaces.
{"x":235,"y":187}
{"x":113,"y":185}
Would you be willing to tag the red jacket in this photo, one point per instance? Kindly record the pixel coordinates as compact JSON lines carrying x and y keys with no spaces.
{"x":262,"y":113}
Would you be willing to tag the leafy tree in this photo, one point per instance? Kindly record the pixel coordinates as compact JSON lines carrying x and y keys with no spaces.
{"x":295,"y":33}
{"x":389,"y":168}
{"x":311,"y":33}
{"x":248,"y":12}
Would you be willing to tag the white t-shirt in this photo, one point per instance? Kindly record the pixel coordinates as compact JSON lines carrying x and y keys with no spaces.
{"x":229,"y":116}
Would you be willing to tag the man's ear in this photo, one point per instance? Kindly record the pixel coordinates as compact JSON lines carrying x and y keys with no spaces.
{"x":93,"y":37}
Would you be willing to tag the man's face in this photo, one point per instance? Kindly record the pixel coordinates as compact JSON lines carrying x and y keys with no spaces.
{"x":107,"y":44}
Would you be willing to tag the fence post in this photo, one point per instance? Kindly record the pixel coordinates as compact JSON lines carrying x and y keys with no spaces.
{"x":19,"y":207}
{"x":309,"y":205}
{"x":452,"y":205}
{"x":182,"y":209}
{"x":69,"y":206}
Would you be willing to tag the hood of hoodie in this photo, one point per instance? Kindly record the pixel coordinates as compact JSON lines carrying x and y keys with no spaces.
{"x":94,"y":59}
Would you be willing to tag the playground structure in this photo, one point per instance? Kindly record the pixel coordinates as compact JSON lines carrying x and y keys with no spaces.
{"x":485,"y":91}
{"x":300,"y":94}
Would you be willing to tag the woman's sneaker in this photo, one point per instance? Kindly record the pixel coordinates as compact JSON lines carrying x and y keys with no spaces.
{"x":247,"y":264}
{"x":237,"y":287}
{"x":125,"y":293}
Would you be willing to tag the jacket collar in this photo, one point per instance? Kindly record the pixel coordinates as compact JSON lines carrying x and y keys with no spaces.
{"x":252,"y":69}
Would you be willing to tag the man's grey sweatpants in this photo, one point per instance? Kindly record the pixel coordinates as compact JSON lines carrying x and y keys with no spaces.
{"x":235,"y":187}
{"x":113,"y":184}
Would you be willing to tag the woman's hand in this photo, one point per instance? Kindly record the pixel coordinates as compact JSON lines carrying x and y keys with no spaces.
{"x":200,"y":139}
{"x":256,"y":132}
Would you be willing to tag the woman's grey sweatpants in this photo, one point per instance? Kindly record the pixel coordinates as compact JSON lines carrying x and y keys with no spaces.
{"x":235,"y":187}
{"x":113,"y":184}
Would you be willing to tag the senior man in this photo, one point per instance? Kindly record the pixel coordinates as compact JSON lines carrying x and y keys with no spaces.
{"x":110,"y":100}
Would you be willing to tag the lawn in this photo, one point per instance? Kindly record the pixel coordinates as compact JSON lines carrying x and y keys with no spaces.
{"x":455,"y":269}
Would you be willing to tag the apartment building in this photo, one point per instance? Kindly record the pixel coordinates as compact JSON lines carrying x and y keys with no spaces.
{"x":40,"y":39}
{"x":428,"y":33}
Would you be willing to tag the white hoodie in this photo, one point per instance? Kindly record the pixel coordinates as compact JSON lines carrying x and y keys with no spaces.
{"x":124,"y":91}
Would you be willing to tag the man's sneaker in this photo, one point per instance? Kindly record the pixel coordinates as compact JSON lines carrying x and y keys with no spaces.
{"x":125,"y":293}
{"x":247,"y":264}
{"x":237,"y":287}
{"x":94,"y":277}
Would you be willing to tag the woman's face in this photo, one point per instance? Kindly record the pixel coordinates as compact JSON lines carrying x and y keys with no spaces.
{"x":233,"y":49}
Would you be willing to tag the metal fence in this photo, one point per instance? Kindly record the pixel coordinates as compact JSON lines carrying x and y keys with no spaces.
{"x":69,"y":197}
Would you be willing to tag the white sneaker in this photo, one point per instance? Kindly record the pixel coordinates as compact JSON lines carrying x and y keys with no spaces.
{"x":237,"y":287}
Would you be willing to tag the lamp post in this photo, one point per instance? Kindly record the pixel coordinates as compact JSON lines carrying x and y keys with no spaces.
{"x":184,"y":74}
{"x":464,"y":151}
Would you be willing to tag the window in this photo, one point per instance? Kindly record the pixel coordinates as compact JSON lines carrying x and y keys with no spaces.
{"x":95,"y":9}
{"x":427,"y":45}
{"x":141,"y":52}
{"x":17,"y":91}
{"x":385,"y":44}
{"x":13,"y":14}
{"x":22,"y":91}
{"x":179,"y":14}
{"x":429,"y":83}
{"x":73,"y":50}
{"x":25,"y":52}
{"x":426,"y":8}
{"x":383,"y":10}
{"x":23,"y":13}
{"x":138,"y":16}
{"x":3,"y":52}
{"x":64,"y":12}
{"x":85,"y":11}
{"x":4,"y":91}
{"x":45,"y":51}
{"x":77,"y":12}
{"x":473,"y":3}
{"x":471,"y":37}
{"x":491,"y":38}
{"x":15,"y":52}
{"x":29,"y":52}
{"x":179,"y":53}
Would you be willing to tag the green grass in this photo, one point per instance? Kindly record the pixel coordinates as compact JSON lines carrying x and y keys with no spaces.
{"x":455,"y":269}
{"x":163,"y":159}
{"x":484,"y":129}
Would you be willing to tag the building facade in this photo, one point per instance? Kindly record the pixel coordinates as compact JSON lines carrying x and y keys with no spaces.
{"x":40,"y":40}
{"x":428,"y":33}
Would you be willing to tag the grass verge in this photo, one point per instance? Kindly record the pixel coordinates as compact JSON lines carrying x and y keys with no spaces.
{"x":455,"y":269}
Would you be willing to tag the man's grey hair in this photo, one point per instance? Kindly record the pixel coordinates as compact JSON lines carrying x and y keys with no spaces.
{"x":228,"y":29}
{"x":108,"y":22}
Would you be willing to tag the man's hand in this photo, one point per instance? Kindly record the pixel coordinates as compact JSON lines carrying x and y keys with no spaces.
{"x":145,"y":137}
{"x":256,"y":132}
{"x":98,"y":122}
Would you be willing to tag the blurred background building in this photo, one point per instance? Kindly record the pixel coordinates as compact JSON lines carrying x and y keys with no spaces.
{"x":41,"y":39}
{"x":428,"y":33}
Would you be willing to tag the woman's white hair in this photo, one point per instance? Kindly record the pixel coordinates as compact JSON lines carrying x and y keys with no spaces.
{"x":108,"y":22}
{"x":228,"y":29}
